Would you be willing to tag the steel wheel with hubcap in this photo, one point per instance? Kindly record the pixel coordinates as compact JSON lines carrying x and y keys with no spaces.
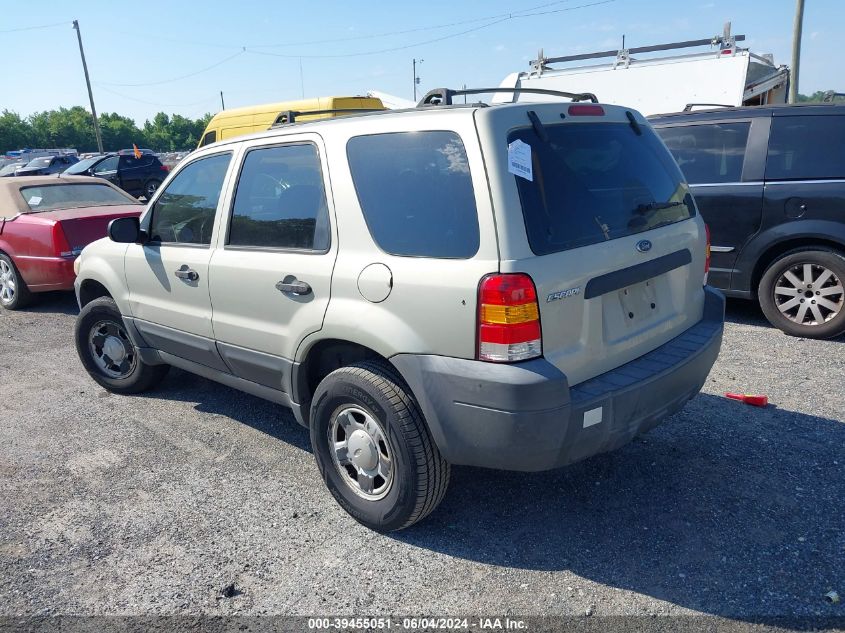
{"x":13,"y":291}
{"x":373,"y":447}
{"x":111,"y":349}
{"x":361,"y":452}
{"x":803,"y":294}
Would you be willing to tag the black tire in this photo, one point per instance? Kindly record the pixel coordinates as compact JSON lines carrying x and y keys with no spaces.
{"x":773,"y":302}
{"x":20,"y":294}
{"x":420,"y":475}
{"x":150,"y":187}
{"x":103,"y":315}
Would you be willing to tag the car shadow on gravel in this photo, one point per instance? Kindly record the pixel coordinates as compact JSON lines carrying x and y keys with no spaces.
{"x":744,"y":312}
{"x":212,"y":397}
{"x":725,"y":509}
{"x":59,"y":302}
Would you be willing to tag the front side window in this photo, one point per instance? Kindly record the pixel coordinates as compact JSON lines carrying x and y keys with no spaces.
{"x":109,"y":164}
{"x":708,"y":153}
{"x":184,"y":213}
{"x":416,"y":193}
{"x":209,"y":138}
{"x":593,"y":182}
{"x":806,"y":148}
{"x":281,"y":201}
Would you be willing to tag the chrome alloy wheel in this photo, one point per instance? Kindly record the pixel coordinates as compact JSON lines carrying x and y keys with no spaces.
{"x":8,"y":282}
{"x":111,"y":349}
{"x":809,"y":294}
{"x":361,"y":452}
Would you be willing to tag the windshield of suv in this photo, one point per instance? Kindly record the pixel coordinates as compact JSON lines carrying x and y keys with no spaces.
{"x":598,"y":181}
{"x":83,"y":165}
{"x":71,"y":195}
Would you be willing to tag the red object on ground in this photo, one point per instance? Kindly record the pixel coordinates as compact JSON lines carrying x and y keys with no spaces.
{"x":753,"y":400}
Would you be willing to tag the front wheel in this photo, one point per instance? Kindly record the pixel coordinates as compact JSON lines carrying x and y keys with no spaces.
{"x":803,"y":293}
{"x":374,"y":449}
{"x":108,"y":354}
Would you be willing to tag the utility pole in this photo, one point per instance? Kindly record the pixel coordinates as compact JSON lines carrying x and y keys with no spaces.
{"x":88,"y":83}
{"x":416,"y":79}
{"x":222,"y":104}
{"x":797,"y":27}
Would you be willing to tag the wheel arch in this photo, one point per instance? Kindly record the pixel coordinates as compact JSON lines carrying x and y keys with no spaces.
{"x":320,"y":359}
{"x":90,"y":289}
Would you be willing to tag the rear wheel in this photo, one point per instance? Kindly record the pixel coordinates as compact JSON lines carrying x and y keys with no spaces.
{"x":803,"y":293}
{"x":13,"y":291}
{"x":107,"y":352}
{"x":374,"y":449}
{"x":151,"y":187}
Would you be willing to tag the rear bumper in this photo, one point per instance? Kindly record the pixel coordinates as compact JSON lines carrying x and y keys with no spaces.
{"x":526,"y":417}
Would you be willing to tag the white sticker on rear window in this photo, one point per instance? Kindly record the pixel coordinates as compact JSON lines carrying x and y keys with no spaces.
{"x":35,"y":200}
{"x":519,"y":160}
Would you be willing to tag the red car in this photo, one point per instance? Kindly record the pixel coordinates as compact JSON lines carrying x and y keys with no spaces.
{"x":45,"y":222}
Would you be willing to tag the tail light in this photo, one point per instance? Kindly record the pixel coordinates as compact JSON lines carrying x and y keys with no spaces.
{"x":706,"y":254}
{"x":508,"y":319}
{"x":165,"y":168}
{"x":61,"y":247}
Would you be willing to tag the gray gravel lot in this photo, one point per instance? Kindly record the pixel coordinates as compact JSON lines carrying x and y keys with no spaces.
{"x":151,"y":504}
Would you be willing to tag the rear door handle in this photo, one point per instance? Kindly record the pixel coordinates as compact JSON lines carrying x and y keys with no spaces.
{"x":294,"y":286}
{"x":186,"y":274}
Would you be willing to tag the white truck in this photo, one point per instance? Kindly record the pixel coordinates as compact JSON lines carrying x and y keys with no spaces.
{"x":724,"y":75}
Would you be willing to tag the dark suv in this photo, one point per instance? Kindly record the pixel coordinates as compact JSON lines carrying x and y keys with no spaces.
{"x":46,"y":165}
{"x":770,"y":183}
{"x":136,"y":176}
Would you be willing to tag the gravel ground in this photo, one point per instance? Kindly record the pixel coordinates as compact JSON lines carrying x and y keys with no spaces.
{"x":152,"y":504}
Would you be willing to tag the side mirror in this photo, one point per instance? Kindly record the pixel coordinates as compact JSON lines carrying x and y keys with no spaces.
{"x":125,"y":230}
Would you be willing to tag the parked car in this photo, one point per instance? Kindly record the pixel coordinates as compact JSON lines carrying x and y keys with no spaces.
{"x":770,"y":183}
{"x":44,"y":224}
{"x":9,"y":169}
{"x":46,"y":165}
{"x":429,"y":307}
{"x":137,"y":176}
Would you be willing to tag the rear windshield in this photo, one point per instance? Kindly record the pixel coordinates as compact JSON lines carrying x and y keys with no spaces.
{"x":40,"y":162}
{"x":593,"y":182}
{"x":69,"y":196}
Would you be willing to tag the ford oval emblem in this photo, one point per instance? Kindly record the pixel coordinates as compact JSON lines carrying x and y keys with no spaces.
{"x":644,"y":246}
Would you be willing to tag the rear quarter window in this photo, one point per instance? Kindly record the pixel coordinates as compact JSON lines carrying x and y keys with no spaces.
{"x":806,"y":148}
{"x":416,"y":193}
{"x":594,"y":182}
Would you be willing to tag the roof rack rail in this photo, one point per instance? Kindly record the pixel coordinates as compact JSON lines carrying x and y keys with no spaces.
{"x":830,"y":95}
{"x":445,"y":96}
{"x":688,"y":107}
{"x":289,"y":116}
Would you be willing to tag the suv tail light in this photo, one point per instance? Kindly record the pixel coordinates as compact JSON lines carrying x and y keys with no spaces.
{"x":706,"y":254}
{"x":165,"y":168}
{"x":508,"y":319}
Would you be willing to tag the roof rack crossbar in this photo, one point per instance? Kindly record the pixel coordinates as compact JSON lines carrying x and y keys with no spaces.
{"x":633,"y":51}
{"x":446,"y":95}
{"x":289,"y":116}
{"x":688,"y":107}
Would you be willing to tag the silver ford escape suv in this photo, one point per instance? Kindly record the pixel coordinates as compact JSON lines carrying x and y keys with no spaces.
{"x":517,"y":286}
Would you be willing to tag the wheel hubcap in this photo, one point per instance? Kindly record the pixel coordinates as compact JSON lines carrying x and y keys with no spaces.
{"x":361,"y":453}
{"x":8,"y":283}
{"x":111,"y":349}
{"x":809,"y":294}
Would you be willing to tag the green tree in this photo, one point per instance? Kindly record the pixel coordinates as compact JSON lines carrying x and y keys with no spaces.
{"x":120,"y":132}
{"x":14,"y":131}
{"x":816,"y":97}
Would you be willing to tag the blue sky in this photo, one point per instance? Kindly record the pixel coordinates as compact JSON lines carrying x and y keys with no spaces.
{"x":145,"y":57}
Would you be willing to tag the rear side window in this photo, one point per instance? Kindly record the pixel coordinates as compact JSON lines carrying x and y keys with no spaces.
{"x":184,"y":213}
{"x":806,"y":148}
{"x":594,"y":182}
{"x":281,"y":201}
{"x":416,"y":193}
{"x":708,"y":153}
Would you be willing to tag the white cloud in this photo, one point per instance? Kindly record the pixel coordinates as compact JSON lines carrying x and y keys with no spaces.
{"x":500,"y":47}
{"x":814,"y":35}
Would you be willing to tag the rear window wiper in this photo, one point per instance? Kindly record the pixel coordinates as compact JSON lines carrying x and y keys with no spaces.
{"x":656,"y":206}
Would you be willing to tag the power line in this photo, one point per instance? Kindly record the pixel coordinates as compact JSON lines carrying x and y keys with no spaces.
{"x":35,"y":28}
{"x":154,"y":103}
{"x":172,"y":79}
